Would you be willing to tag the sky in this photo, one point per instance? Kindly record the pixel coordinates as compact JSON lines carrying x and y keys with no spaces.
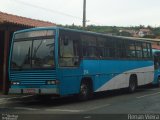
{"x":99,"y":12}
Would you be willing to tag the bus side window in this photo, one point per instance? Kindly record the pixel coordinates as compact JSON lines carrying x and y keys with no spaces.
{"x":145,"y":50}
{"x":111,"y":47}
{"x":66,"y":47}
{"x":120,"y":48}
{"x":66,"y":51}
{"x":89,"y":46}
{"x":131,"y":53}
{"x":69,"y":55}
{"x":149,"y":50}
{"x":139,"y":50}
{"x":101,"y":47}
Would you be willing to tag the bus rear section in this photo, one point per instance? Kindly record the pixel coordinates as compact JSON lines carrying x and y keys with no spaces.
{"x":32,"y":68}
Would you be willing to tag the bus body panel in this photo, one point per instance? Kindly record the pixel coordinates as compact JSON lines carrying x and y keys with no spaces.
{"x":70,"y":79}
{"x":108,"y":75}
{"x":116,"y":73}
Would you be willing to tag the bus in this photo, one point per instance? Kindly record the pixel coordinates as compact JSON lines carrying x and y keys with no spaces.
{"x":60,"y":62}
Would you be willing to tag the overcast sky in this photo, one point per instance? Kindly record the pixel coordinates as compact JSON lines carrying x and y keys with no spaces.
{"x":99,"y":12}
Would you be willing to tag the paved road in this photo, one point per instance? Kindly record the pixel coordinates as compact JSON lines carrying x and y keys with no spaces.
{"x":144,"y":100}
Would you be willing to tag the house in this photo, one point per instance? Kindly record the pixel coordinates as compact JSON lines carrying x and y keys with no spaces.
{"x":144,"y":32}
{"x":8,"y":24}
{"x":133,"y":33}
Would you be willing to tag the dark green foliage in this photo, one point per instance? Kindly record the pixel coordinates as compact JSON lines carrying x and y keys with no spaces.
{"x":127,"y":34}
{"x":149,"y":36}
{"x":156,"y":31}
{"x":115,"y":30}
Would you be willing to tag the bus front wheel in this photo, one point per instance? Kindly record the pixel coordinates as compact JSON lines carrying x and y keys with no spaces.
{"x":85,"y":91}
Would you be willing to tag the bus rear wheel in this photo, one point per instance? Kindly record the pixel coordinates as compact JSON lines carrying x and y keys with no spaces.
{"x":85,"y":91}
{"x":132,"y":86}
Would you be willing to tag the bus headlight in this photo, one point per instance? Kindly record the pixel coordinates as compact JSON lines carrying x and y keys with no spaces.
{"x":15,"y":83}
{"x":52,"y":82}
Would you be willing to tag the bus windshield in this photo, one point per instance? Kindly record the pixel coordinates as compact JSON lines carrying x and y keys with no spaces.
{"x":33,"y":50}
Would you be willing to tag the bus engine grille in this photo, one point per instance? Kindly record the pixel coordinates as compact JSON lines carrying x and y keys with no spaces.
{"x":33,"y":77}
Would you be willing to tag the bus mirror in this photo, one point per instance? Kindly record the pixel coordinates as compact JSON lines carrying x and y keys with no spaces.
{"x":65,"y":42}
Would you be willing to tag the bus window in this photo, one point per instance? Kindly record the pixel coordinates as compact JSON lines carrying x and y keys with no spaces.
{"x":69,"y":52}
{"x":89,"y":46}
{"x":130,"y":49}
{"x":145,"y":50}
{"x":21,"y":56}
{"x":120,"y":48}
{"x":112,"y":48}
{"x":101,"y":47}
{"x":43,"y":53}
{"x":33,"y":49}
{"x":139,"y":50}
{"x":66,"y":52}
{"x":149,"y":50}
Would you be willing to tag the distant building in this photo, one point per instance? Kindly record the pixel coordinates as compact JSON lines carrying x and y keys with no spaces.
{"x":155,"y":42}
{"x":138,"y":33}
{"x":132,"y":32}
{"x":8,"y":24}
{"x":144,"y":32}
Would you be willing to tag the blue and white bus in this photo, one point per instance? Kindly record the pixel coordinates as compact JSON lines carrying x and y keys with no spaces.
{"x":60,"y":61}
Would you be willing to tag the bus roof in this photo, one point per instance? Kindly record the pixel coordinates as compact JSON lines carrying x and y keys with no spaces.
{"x":89,"y":32}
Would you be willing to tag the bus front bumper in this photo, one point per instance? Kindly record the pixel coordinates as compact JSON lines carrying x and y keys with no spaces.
{"x":33,"y":91}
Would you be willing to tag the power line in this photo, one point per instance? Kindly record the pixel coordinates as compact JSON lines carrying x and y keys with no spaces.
{"x":47,"y":9}
{"x":54,"y":11}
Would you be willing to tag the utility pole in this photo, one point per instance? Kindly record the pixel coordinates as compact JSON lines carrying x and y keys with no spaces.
{"x":84,"y":13}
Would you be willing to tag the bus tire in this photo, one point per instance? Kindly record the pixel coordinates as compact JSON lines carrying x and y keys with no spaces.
{"x":132,"y":84}
{"x":86,"y":91}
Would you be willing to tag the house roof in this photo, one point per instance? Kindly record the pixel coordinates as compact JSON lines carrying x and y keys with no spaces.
{"x":14,"y":19}
{"x":145,"y":30}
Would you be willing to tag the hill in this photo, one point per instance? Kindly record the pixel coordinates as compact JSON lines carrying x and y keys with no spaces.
{"x":133,"y":31}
